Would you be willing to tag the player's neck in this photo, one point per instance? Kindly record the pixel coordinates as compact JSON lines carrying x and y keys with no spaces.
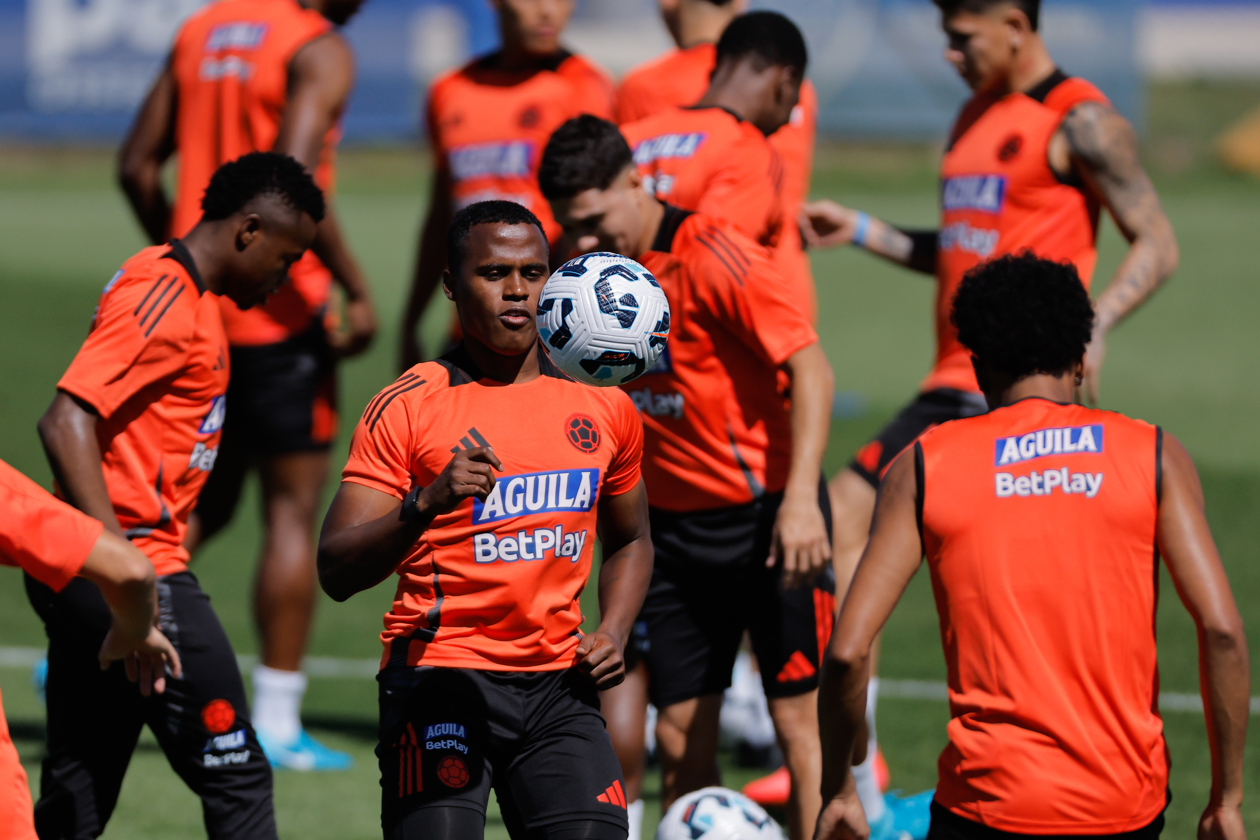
{"x":513,"y":58}
{"x":510,"y":370}
{"x":728,"y":96}
{"x":201,"y":247}
{"x":653,"y":214}
{"x":1060,"y":389}
{"x":1031,"y":67}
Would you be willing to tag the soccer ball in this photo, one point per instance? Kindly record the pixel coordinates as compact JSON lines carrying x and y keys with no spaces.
{"x":716,"y":813}
{"x":603,"y":319}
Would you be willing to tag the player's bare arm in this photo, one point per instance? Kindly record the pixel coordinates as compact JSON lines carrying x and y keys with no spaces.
{"x":68,"y":432}
{"x":127,"y":581}
{"x":800,"y":540}
{"x":426,"y":275}
{"x":826,"y":224}
{"x":624,"y":576}
{"x":366,"y":533}
{"x":1097,"y":144}
{"x":321,"y":77}
{"x":1186,"y":544}
{"x":889,"y":562}
{"x":144,"y":152}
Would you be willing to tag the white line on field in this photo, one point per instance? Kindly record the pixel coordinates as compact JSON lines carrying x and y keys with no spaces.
{"x":337,"y":668}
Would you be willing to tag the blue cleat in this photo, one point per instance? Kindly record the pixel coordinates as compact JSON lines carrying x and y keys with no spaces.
{"x":39,"y":680}
{"x":911,"y":814}
{"x":885,"y":828}
{"x":305,"y":754}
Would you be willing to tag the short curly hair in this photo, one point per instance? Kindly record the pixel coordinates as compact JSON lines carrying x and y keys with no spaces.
{"x":1022,"y":314}
{"x":238,"y":182}
{"x":492,"y":212}
{"x":585,"y":153}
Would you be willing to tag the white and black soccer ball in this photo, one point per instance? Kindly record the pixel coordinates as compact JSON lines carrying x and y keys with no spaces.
{"x":717,"y":813}
{"x":603,"y":319}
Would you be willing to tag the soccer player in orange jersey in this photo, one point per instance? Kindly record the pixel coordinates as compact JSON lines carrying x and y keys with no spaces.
{"x":487,"y":124}
{"x":131,"y":436}
{"x":680,"y":78}
{"x":54,"y":543}
{"x":481,"y":479}
{"x":1043,"y":524}
{"x":243,"y":76}
{"x":732,"y":465}
{"x":1031,"y":159}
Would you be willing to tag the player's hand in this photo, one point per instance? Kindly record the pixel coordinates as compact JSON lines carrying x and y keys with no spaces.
{"x":1222,"y":822}
{"x":599,"y":655}
{"x":470,"y":473}
{"x":843,"y":818}
{"x":1087,"y":391}
{"x":799,"y":544}
{"x":825,"y":224}
{"x":359,"y":329}
{"x":146,"y":661}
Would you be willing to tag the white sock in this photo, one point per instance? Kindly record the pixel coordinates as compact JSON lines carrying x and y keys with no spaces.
{"x":864,"y":774}
{"x":278,"y":703}
{"x":634,"y":813}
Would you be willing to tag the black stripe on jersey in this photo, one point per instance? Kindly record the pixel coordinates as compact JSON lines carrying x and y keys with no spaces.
{"x":158,"y":300}
{"x":385,"y":403}
{"x":1043,"y":88}
{"x":398,"y":383}
{"x":162,"y":314}
{"x":740,"y":258}
{"x":434,"y":615}
{"x":737,"y":276}
{"x":149,"y":294}
{"x":919,"y":482}
{"x":180,"y":254}
{"x":670,"y":222}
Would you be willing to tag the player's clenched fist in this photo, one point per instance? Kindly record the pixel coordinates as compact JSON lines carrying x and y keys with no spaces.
{"x":469,"y":474}
{"x":825,"y":224}
{"x":599,"y":655}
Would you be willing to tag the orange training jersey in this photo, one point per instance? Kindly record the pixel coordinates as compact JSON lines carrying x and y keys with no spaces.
{"x":999,"y":196}
{"x":716,"y":430}
{"x":44,"y":536}
{"x":1039,"y":525}
{"x":680,"y":78}
{"x":231,"y":65}
{"x":487,"y":127}
{"x":155,"y":368}
{"x":711,"y":161}
{"x":495,"y":585}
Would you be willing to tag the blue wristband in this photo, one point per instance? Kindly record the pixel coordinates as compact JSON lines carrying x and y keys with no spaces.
{"x":861,"y":228}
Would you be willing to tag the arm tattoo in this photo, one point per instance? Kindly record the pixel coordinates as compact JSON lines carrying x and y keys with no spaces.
{"x":1104,"y":152}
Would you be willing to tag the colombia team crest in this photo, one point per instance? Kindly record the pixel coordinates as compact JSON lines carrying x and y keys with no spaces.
{"x":583,"y":433}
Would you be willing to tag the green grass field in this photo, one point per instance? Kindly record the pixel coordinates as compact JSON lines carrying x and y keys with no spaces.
{"x":1190,"y":361}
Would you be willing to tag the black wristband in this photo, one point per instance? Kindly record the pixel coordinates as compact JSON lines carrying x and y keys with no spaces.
{"x":409,"y":512}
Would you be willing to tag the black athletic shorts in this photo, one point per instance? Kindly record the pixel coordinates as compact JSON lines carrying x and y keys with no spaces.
{"x":710,"y":584}
{"x":201,"y":721}
{"x":946,"y":825}
{"x":927,"y":410}
{"x":283,"y":397}
{"x":449,"y":735}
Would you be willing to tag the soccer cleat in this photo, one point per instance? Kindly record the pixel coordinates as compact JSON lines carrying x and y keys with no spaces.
{"x":304,"y":753}
{"x":770,"y":791}
{"x":911,"y":814}
{"x":885,"y":828}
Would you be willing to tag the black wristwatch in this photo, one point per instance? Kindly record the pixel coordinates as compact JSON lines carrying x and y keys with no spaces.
{"x":409,"y":512}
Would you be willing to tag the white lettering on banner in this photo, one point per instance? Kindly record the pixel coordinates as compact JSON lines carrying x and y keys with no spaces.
{"x":203,"y":457}
{"x":521,"y":495}
{"x":437,"y":730}
{"x":668,"y":146}
{"x":658,"y":405}
{"x":1045,"y":483}
{"x":212,"y":70}
{"x":529,"y":545}
{"x":242,"y":35}
{"x":961,"y":236}
{"x":1061,"y":441}
{"x":482,"y":159}
{"x":231,"y":741}
{"x":212,"y":760}
{"x":986,"y":193}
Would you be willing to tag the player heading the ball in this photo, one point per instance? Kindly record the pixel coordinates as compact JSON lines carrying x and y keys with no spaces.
{"x":481,"y":479}
{"x":732,"y":464}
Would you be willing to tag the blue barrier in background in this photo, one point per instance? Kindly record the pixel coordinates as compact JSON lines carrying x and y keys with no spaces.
{"x":75,"y":70}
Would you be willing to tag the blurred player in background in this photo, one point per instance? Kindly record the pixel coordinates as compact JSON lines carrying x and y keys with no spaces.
{"x":487,"y":124}
{"x":1043,"y":524}
{"x":243,"y":76}
{"x":54,"y":543}
{"x":733,"y":468}
{"x":487,"y":679}
{"x":132,"y":435}
{"x":1031,"y":158}
{"x":681,"y":77}
{"x":713,"y":157}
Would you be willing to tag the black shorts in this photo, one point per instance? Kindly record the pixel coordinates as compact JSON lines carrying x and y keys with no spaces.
{"x":282,"y":397}
{"x":709,"y":585}
{"x":201,"y":721}
{"x":448,"y":735}
{"x":928,"y":409}
{"x":946,"y":825}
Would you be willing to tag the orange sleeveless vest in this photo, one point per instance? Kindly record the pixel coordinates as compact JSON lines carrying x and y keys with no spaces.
{"x":1038,"y":523}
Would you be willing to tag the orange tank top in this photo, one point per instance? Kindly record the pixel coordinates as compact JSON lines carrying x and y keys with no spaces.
{"x":231,"y":64}
{"x":1038,"y":523}
{"x":1000,"y":196}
